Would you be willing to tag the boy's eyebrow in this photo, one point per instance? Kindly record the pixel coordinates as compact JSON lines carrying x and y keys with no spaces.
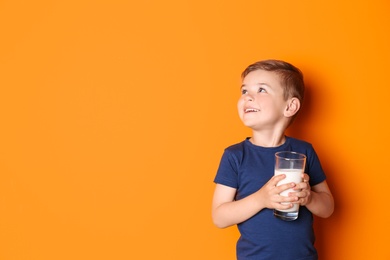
{"x":259,"y":84}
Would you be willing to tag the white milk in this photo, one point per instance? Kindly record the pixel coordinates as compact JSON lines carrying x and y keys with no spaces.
{"x":292,"y":175}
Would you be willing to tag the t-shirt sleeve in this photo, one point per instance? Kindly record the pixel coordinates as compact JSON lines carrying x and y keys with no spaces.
{"x":314,"y":168}
{"x":227,"y":173}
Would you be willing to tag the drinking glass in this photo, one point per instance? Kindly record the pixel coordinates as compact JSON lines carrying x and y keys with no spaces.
{"x":292,"y":164}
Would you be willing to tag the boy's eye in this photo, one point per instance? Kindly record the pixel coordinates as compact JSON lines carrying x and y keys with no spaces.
{"x":244,"y":91}
{"x":262,"y":90}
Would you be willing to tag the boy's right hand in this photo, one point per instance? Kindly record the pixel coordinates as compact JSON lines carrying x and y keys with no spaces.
{"x":269,"y":194}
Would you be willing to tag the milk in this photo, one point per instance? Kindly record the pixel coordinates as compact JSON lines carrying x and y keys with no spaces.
{"x":292,"y":175}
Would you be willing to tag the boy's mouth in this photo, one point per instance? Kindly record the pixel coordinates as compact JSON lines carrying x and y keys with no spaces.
{"x":249,"y":110}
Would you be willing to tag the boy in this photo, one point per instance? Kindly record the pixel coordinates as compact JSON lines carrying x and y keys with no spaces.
{"x":246,"y":192}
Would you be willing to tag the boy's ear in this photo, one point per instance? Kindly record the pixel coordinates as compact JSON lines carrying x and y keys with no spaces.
{"x":292,"y":107}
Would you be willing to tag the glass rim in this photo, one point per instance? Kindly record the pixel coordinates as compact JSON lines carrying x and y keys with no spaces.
{"x":301,"y":155}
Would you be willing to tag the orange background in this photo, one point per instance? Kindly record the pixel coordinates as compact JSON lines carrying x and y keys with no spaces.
{"x":114,"y":115}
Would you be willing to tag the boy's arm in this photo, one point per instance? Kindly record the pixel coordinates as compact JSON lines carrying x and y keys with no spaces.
{"x":321,"y":201}
{"x":227,"y":212}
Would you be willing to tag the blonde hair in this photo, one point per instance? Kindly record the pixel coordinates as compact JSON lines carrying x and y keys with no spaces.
{"x":291,"y":78}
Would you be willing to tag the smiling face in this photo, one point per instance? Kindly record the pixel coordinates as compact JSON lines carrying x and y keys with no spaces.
{"x":262,"y":105}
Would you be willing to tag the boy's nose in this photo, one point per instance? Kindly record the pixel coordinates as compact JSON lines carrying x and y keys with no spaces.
{"x":248,"y":97}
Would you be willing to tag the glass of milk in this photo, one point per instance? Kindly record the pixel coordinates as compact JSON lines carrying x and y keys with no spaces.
{"x":291,"y":164}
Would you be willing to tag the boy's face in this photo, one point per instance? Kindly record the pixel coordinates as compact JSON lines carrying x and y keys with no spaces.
{"x":261,"y":105}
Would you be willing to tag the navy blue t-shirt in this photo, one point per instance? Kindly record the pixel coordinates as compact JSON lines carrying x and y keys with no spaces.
{"x":247,"y":167}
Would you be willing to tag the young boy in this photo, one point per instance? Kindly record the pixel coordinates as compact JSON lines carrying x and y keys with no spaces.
{"x":246,"y":189}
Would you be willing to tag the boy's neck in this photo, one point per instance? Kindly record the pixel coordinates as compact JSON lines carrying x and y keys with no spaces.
{"x":268,"y":140}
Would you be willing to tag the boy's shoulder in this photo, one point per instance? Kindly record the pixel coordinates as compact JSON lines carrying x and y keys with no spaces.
{"x":237,"y":146}
{"x":297,"y":141}
{"x":300,"y":146}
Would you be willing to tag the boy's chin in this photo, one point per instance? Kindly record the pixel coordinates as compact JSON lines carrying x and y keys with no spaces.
{"x":252,"y":126}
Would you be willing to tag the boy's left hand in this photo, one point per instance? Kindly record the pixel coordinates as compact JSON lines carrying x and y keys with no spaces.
{"x":303,"y":191}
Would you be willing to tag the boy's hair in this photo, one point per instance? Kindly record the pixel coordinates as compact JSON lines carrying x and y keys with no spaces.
{"x":291,"y":78}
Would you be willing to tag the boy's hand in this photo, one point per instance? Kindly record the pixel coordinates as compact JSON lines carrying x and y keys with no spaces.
{"x":269,"y":193}
{"x":303,"y":191}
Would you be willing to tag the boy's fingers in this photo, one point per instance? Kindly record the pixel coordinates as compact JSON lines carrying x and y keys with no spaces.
{"x":277,"y":178}
{"x":305,"y":177}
